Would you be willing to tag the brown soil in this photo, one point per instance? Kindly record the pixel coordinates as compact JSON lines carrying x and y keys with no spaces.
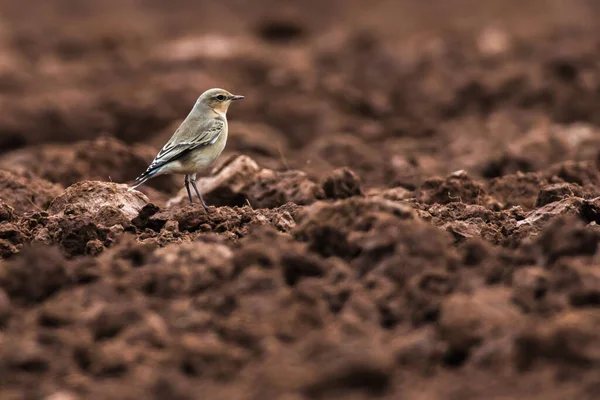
{"x":408,"y":206}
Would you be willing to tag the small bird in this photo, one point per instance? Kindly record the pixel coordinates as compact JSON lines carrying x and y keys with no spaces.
{"x":197,"y":142}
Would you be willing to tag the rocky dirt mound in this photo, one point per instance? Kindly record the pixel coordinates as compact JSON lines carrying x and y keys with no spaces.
{"x":400,"y":213}
{"x":333,"y":298}
{"x":26,"y":192}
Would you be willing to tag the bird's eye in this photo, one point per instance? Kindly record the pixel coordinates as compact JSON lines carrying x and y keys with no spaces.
{"x":220,"y":97}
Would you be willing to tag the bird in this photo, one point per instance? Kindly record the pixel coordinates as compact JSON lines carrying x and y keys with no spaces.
{"x":196,"y":143}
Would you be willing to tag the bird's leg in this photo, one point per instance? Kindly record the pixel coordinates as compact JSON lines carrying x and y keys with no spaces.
{"x":193,"y":181}
{"x":187,"y":187}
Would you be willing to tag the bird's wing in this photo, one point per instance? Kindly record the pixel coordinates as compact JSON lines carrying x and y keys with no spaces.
{"x":187,"y":138}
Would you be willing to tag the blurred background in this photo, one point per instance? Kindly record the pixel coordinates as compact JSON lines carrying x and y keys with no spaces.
{"x":397,"y":90}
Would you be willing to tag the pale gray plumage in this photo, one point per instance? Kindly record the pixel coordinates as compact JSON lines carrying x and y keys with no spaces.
{"x":187,"y":137}
{"x":197,"y":142}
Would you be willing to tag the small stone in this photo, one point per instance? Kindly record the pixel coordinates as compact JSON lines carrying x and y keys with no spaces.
{"x":7,"y":213}
{"x":551,"y":193}
{"x":171,"y":226}
{"x":94,"y":247}
{"x":342,"y":183}
{"x":284,"y":222}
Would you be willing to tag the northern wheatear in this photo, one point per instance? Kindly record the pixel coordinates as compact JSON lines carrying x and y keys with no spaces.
{"x":197,"y":142}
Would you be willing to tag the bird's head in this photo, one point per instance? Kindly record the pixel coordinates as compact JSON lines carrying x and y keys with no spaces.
{"x":217,"y":100}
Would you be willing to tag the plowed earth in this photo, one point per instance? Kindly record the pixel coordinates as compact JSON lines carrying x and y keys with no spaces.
{"x":399,"y":214}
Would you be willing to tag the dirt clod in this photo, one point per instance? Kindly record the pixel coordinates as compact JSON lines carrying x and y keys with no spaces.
{"x":37,"y":274}
{"x":342,"y":183}
{"x":26,"y":192}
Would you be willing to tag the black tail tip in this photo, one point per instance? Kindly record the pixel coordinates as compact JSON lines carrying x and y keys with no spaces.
{"x":142,"y":177}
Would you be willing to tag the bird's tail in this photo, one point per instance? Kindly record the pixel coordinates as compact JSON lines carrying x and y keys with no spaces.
{"x":143,"y":178}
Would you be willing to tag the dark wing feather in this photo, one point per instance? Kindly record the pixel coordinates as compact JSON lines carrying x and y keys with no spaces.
{"x":185,"y":140}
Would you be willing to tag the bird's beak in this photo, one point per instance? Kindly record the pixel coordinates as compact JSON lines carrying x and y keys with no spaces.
{"x":236,"y":97}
